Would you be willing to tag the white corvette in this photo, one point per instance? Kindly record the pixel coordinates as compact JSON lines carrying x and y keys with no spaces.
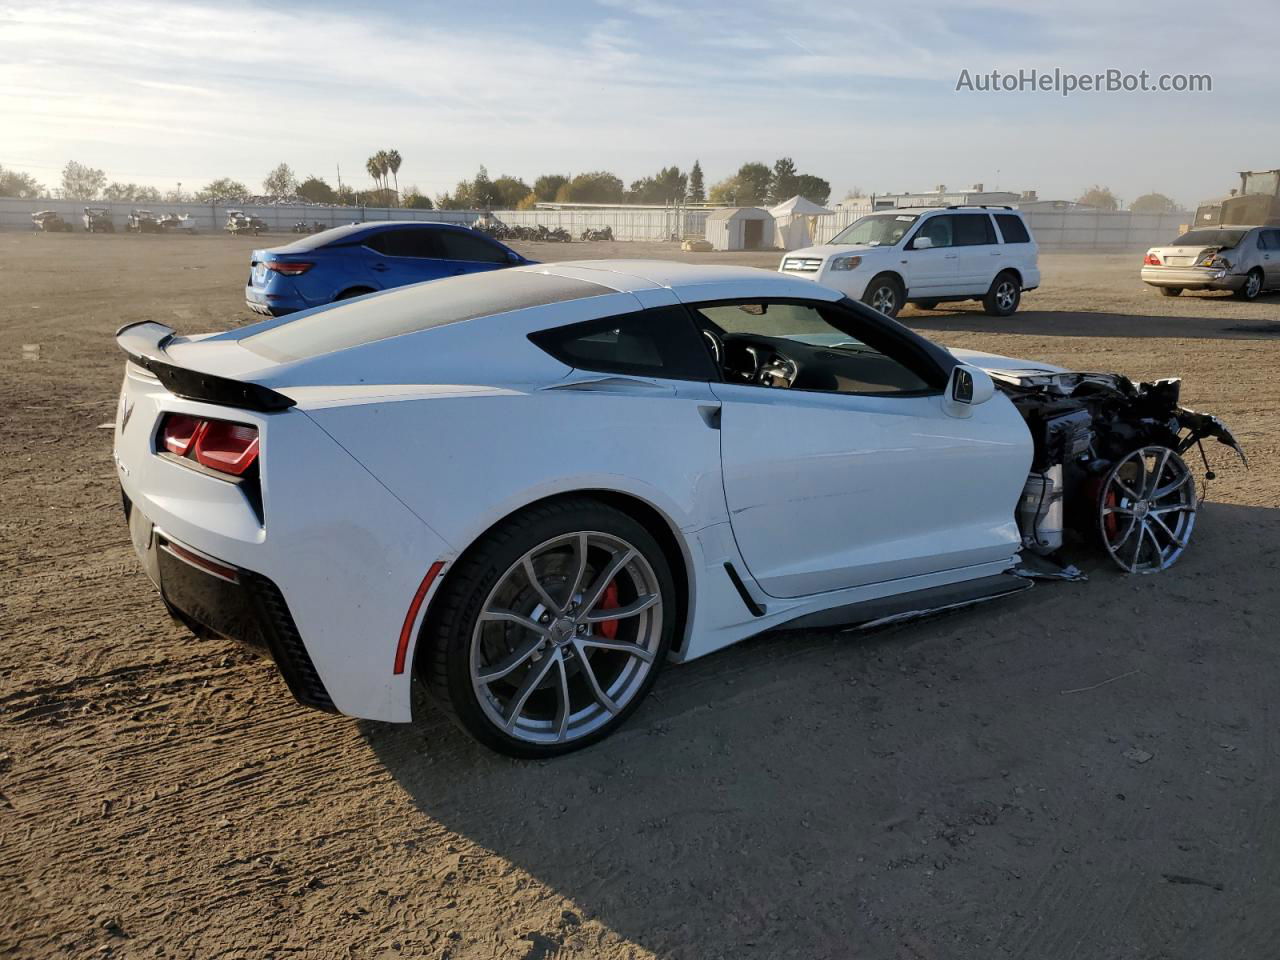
{"x":533,"y":487}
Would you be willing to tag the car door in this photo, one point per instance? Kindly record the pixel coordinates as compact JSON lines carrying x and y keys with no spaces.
{"x":467,"y":252}
{"x":979,"y":252}
{"x":1269,"y":255}
{"x":859,"y":474}
{"x":401,"y":255}
{"x":933,"y":271}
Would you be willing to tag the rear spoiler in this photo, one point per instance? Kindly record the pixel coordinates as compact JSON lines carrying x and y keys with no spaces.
{"x":144,"y":342}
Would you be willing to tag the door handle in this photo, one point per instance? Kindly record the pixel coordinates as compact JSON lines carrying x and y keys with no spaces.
{"x":952,"y":256}
{"x":995,"y":253}
{"x":380,"y":267}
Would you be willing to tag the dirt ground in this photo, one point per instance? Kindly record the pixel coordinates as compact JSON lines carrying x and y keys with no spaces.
{"x":952,"y":788}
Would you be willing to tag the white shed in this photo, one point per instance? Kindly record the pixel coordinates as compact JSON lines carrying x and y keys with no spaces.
{"x":796,"y":221}
{"x":740,"y":228}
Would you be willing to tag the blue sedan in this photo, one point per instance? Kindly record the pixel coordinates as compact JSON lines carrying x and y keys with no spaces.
{"x":363,"y":257}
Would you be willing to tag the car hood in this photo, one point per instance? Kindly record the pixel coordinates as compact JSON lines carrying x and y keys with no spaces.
{"x":995,"y":363}
{"x":825,"y":250}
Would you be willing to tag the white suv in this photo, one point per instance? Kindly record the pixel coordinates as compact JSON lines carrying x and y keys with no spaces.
{"x":927,"y":256}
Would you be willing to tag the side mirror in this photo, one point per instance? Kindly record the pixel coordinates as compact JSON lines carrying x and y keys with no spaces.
{"x":513,"y":257}
{"x":968,"y":387}
{"x":922,"y":243}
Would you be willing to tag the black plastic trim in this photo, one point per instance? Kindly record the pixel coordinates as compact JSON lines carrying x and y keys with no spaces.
{"x":752,"y":607}
{"x":207,"y":387}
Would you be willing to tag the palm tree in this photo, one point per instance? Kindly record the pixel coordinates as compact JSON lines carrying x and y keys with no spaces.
{"x":374,"y":169}
{"x":393,"y":163}
{"x":384,"y":167}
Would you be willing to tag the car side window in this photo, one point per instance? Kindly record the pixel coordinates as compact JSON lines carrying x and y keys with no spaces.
{"x":973,"y":229}
{"x":1012,"y":228}
{"x":459,"y":245}
{"x":1264,"y":240}
{"x":940,"y":229}
{"x":661,"y":342}
{"x":1273,"y":241}
{"x":814,"y":347}
{"x":422,"y":243}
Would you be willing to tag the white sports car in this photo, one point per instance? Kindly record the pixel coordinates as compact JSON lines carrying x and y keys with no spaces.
{"x":533,"y":487}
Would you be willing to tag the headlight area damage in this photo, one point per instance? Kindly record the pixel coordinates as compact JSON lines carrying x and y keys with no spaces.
{"x":1108,"y":465}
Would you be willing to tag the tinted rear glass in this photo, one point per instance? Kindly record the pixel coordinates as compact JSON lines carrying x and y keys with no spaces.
{"x":422,"y":243}
{"x":414,"y":308}
{"x":1209,"y":238}
{"x":317,"y":240}
{"x":1012,"y":228}
{"x":459,"y":245}
{"x":973,"y":229}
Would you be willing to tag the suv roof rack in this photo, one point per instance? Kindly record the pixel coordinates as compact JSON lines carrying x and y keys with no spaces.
{"x":979,"y":206}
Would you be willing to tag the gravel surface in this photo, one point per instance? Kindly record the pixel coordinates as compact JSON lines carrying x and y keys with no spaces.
{"x":1086,"y":770}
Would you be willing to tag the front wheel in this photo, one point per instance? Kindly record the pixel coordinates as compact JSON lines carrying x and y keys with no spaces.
{"x":884,"y":294}
{"x":1003,"y":297}
{"x":549,"y":633}
{"x":1170,"y":291}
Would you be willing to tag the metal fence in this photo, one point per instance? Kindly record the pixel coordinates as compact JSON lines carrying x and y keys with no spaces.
{"x":627,"y":224}
{"x":1054,"y":230}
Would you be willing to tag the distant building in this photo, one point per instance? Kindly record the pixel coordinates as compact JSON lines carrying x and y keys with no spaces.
{"x":940,"y":197}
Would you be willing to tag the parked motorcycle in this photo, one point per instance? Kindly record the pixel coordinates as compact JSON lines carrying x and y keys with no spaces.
{"x":597,"y":236}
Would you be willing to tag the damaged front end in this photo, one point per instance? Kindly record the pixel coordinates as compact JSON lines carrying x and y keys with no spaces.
{"x":1109,"y":465}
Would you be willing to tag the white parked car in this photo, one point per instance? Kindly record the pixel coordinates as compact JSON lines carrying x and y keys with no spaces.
{"x":533,"y":487}
{"x":1244,"y":260}
{"x":927,"y":256}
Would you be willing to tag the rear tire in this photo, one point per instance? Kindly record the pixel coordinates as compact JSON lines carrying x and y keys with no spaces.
{"x":570,"y":681}
{"x":1003,"y":297}
{"x":1170,"y":291}
{"x":884,"y":294}
{"x":1252,"y":286}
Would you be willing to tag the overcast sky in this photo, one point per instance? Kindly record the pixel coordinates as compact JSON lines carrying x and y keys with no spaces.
{"x":861,"y":94}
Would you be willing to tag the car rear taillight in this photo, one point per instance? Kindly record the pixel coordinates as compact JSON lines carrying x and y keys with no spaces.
{"x":178,"y":433}
{"x":230,"y":448}
{"x":288,"y":268}
{"x":1151,"y":260}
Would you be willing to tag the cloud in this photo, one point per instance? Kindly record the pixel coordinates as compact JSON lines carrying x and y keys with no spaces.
{"x":158,"y":92}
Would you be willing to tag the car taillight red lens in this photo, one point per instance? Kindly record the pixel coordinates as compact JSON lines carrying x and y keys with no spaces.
{"x":179,"y":433}
{"x":1151,"y":260}
{"x":288,"y":268}
{"x":219,"y":445}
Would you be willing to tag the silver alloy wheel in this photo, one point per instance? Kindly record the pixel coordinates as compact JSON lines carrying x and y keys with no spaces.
{"x":1006,"y":295}
{"x":885,"y":299}
{"x":1147,"y":509}
{"x":1252,"y":284}
{"x":566,"y":637}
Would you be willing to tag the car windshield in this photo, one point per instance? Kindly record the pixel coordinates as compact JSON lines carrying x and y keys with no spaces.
{"x":1209,"y":238}
{"x":877,"y":230}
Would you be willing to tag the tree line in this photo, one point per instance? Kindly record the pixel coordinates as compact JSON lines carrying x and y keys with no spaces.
{"x":754,"y":184}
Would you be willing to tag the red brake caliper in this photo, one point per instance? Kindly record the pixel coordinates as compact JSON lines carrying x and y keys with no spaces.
{"x":609,"y":628}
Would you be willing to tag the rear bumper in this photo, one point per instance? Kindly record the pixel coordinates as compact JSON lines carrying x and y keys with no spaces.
{"x":1192,"y":278}
{"x":273,"y":304}
{"x":211,"y":596}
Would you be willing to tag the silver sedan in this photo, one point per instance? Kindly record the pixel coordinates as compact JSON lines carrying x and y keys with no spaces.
{"x":1242,"y":259}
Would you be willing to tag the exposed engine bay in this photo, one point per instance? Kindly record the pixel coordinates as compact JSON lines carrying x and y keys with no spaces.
{"x":1109,"y":464}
